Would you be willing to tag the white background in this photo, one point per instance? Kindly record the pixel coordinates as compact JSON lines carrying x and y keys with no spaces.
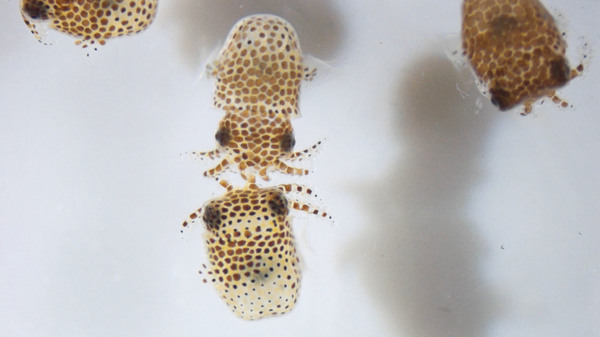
{"x":451,"y":217}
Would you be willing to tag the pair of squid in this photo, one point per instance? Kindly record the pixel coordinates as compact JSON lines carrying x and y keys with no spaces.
{"x":253,"y":262}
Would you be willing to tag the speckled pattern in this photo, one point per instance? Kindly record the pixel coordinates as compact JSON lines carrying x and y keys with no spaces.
{"x":91,"y":21}
{"x":258,"y":76}
{"x":516,"y":50}
{"x":260,"y":67}
{"x":253,"y":260}
{"x":256,"y":142}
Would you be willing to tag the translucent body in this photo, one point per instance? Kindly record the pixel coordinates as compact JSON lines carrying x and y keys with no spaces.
{"x":516,"y":50}
{"x":252,"y":258}
{"x":260,"y":67}
{"x":91,"y":21}
{"x":259,"y":72}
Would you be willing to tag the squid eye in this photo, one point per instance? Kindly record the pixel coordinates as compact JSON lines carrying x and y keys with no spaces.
{"x":560,"y":71}
{"x":212,"y":218}
{"x":288,"y":141}
{"x":36,"y":10}
{"x":501,"y":98}
{"x":223,"y":136}
{"x":279,"y":204}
